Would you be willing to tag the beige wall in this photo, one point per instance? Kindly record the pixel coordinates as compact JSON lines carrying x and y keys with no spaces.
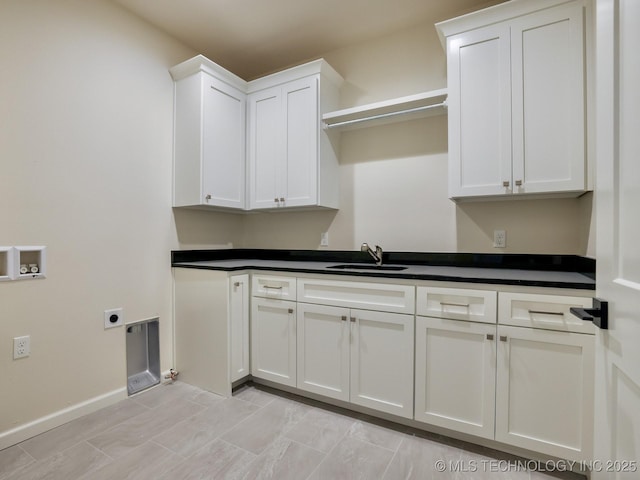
{"x":85,"y":151}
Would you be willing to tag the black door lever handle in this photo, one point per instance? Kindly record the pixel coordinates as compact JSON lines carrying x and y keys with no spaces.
{"x":599,"y":314}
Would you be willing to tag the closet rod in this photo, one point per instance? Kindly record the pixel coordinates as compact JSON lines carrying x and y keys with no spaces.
{"x":385,"y":115}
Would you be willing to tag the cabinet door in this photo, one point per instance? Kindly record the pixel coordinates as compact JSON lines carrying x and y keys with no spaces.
{"x":273,"y":340}
{"x":323,"y":350}
{"x":265,"y":147}
{"x":239,"y":326}
{"x":299,"y":175}
{"x":547,"y":52}
{"x":544,"y":391}
{"x":455,"y":375}
{"x":382,"y":361}
{"x":479,"y":112}
{"x":223,"y":144}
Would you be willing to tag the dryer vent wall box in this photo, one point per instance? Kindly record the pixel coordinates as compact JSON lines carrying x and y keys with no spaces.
{"x":143,"y":355}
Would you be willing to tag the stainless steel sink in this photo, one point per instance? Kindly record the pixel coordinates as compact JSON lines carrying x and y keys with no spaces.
{"x":365,"y":266}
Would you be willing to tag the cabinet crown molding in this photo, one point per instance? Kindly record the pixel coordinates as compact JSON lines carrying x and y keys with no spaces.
{"x":495,"y":14}
{"x":200,"y":63}
{"x":314,"y":67}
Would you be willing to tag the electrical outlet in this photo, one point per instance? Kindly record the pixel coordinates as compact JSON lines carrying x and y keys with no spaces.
{"x":113,"y":318}
{"x":324,"y":239}
{"x":499,"y":239}
{"x":21,"y":347}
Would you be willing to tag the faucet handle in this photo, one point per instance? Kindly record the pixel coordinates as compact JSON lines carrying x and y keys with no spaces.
{"x":364,"y":247}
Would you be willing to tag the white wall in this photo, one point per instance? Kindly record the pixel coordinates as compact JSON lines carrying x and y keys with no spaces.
{"x":393,"y":179}
{"x":85,"y":154}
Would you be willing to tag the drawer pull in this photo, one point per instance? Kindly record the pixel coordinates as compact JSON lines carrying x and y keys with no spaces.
{"x":290,"y":310}
{"x":353,"y":319}
{"x":489,"y":336}
{"x":273,"y":288}
{"x":541,"y":312}
{"x":451,"y":304}
{"x":503,"y":338}
{"x":237,"y":284}
{"x":343,"y":318}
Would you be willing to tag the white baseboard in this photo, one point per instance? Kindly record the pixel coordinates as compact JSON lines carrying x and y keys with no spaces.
{"x":42,"y":424}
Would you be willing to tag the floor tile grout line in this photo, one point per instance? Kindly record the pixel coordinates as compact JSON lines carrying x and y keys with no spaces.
{"x":328,"y":454}
{"x":392,"y":459}
{"x":83,"y":437}
{"x":303,"y":444}
{"x":22,"y":448}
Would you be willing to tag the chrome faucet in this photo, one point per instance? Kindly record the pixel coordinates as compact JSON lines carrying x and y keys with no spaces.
{"x":377,"y":255}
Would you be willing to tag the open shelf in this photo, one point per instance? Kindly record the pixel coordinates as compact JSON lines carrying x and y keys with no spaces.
{"x":421,"y":105}
{"x":6,"y":263}
{"x":30,"y":262}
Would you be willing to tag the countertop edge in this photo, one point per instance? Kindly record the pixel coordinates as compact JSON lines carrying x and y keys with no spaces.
{"x":395,"y":275}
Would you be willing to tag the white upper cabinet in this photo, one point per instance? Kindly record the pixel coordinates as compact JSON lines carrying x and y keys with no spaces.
{"x":517,"y":100}
{"x":209,"y":136}
{"x":292,"y":160}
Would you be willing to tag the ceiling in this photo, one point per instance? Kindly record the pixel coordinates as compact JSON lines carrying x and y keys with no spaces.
{"x":255,"y":37}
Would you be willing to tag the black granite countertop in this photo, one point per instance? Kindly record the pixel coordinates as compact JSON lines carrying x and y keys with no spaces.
{"x":559,"y":271}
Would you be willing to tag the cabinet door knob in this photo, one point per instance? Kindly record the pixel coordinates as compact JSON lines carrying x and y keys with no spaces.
{"x":518,"y":183}
{"x":503,"y":338}
{"x":505,"y":184}
{"x":208,"y":197}
{"x":282,"y":199}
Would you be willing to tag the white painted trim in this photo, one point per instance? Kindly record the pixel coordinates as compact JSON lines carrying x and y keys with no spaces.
{"x":491,"y":15}
{"x":314,"y":67}
{"x":43,"y":424}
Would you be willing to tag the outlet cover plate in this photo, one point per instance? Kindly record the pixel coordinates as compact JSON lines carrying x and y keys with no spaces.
{"x":21,"y":347}
{"x":113,"y":317}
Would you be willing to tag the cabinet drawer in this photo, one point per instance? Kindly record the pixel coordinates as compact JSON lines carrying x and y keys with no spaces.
{"x":367,"y":296}
{"x":457,"y":304}
{"x":549,"y":312}
{"x":272,"y":286}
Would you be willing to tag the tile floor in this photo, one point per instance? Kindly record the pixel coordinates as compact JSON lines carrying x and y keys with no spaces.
{"x":177,"y":431}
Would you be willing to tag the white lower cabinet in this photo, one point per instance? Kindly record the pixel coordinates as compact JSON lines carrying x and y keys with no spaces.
{"x":364,"y":357}
{"x":324,"y":350}
{"x":273,"y":340}
{"x":239,"y":326}
{"x":455,"y":375}
{"x":514,"y":367}
{"x":382,"y":361}
{"x":544,"y":391}
{"x":210,"y":328}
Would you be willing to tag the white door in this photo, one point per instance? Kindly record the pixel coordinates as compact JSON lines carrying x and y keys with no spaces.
{"x":223,"y":144}
{"x":547,"y":52}
{"x":617,"y":388}
{"x":323,"y":350}
{"x":544,"y":386}
{"x":273,"y":340}
{"x":479,"y":80}
{"x":382,"y":361}
{"x":299,"y":175}
{"x":455,"y":375}
{"x":265,"y":147}
{"x":239,"y":326}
